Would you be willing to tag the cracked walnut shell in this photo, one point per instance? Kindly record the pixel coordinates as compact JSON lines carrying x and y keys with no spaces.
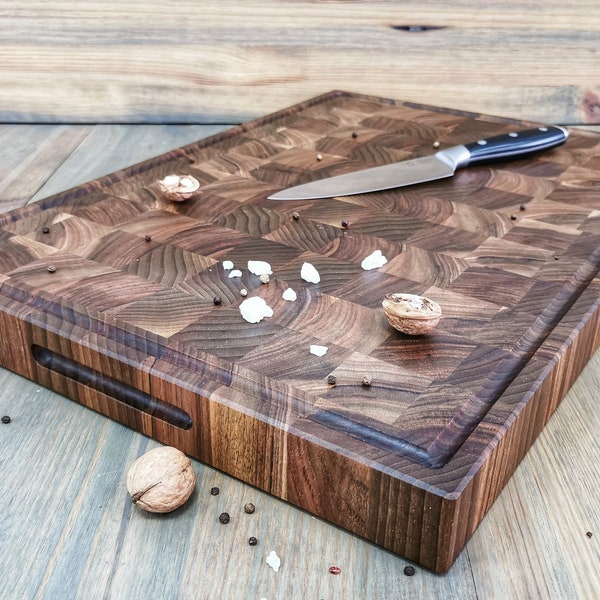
{"x":178,"y":188}
{"x":161,"y":480}
{"x":411,"y":314}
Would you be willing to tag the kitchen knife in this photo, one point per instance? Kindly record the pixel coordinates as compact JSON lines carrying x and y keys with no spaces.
{"x":429,"y":168}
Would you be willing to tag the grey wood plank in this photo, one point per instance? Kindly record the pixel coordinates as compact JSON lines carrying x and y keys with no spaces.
{"x":30,"y":155}
{"x":237,"y":59}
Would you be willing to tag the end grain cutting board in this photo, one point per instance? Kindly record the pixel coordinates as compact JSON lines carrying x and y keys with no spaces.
{"x":107,"y":297}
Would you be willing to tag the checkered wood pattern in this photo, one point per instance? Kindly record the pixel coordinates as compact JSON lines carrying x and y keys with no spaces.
{"x":511,"y":252}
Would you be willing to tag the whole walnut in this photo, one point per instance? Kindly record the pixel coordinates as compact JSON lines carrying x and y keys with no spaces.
{"x":161,"y":480}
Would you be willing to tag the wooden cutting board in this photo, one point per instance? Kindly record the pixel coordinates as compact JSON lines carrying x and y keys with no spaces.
{"x":108,"y":297}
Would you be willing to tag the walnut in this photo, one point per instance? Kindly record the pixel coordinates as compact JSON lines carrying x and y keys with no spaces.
{"x":179,"y":188}
{"x":161,"y":480}
{"x":411,"y":314}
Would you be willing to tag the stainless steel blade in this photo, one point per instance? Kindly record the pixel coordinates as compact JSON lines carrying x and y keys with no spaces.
{"x":408,"y":172}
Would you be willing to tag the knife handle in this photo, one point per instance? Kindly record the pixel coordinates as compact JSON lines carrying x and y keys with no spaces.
{"x":514,"y":144}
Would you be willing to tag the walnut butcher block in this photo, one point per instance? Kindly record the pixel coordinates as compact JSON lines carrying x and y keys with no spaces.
{"x":118,"y":297}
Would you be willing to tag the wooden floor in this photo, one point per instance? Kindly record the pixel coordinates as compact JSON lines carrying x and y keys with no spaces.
{"x":68,"y":529}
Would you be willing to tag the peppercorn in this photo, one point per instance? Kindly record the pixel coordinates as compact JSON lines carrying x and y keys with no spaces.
{"x":51,"y":269}
{"x":249,"y":508}
{"x":217,"y":300}
{"x":366,"y":382}
{"x":331,"y":380}
{"x":295,"y":216}
{"x":319,"y":157}
{"x":252,"y":541}
{"x":45,"y":229}
{"x":354,"y":134}
{"x":344,"y":223}
{"x":224,"y":518}
{"x":214,"y":491}
{"x":409,"y":570}
{"x":523,"y":207}
{"x":148,"y":237}
{"x":6,"y":419}
{"x":513,"y":217}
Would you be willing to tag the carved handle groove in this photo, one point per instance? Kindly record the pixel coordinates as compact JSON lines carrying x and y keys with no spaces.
{"x":111,"y":387}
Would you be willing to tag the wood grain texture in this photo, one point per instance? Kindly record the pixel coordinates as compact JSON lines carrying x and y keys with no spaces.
{"x":227,"y":61}
{"x":118,"y":326}
{"x":71,"y":531}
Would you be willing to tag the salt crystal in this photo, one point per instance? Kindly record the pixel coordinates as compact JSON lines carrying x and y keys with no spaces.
{"x":259,"y":267}
{"x":235,"y":273}
{"x":373,"y":261}
{"x":227,"y":265}
{"x":318,"y":350}
{"x":255,"y":309}
{"x":274,"y":561}
{"x":309,"y":273}
{"x":289,"y":295}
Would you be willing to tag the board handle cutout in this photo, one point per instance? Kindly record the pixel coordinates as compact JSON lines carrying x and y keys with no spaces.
{"x":109,"y":386}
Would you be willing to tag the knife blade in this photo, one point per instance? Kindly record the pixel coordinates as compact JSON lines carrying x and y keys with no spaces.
{"x":429,"y":168}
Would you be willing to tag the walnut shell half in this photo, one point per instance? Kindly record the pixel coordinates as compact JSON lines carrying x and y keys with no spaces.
{"x":178,"y":188}
{"x":411,"y":314}
{"x":161,"y":480}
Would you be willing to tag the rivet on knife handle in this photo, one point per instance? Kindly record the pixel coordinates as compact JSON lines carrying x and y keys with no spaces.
{"x":515,"y":144}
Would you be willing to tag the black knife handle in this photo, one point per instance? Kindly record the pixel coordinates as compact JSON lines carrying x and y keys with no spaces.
{"x":516,"y":144}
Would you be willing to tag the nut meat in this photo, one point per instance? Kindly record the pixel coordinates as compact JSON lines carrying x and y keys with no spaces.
{"x":411,"y":314}
{"x":161,"y":480}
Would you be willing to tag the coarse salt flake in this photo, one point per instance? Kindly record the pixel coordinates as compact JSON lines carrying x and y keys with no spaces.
{"x":255,"y":309}
{"x":318,"y":350}
{"x":373,"y":261}
{"x":227,"y":265}
{"x":235,"y":273}
{"x":289,"y":295}
{"x":259,"y":267}
{"x":274,"y":561}
{"x":309,"y":273}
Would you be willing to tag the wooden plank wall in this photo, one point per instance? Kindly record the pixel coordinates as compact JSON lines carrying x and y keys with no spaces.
{"x":225,"y":61}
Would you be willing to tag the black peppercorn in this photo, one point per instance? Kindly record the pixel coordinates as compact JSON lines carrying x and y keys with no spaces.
{"x":331,"y":380}
{"x":6,"y":419}
{"x":224,"y":518}
{"x":366,"y":382}
{"x":295,"y":216}
{"x":354,"y":134}
{"x":45,"y":229}
{"x":344,"y":224}
{"x":523,"y":207}
{"x":409,"y":570}
{"x":513,"y":217}
{"x":217,"y":300}
{"x":148,"y":237}
{"x":214,"y":491}
{"x":252,"y":541}
{"x":249,"y":508}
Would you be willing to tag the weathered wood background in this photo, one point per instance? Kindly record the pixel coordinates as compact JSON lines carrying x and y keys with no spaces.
{"x":226,"y":61}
